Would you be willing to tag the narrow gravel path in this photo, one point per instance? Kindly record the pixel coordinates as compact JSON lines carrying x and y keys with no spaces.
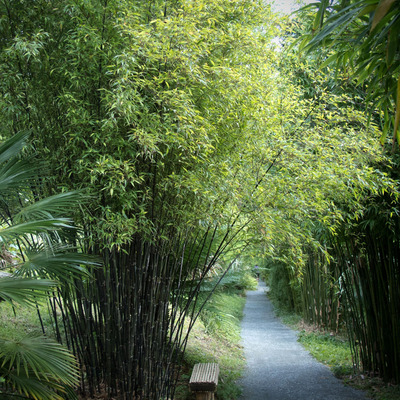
{"x":278,"y":367}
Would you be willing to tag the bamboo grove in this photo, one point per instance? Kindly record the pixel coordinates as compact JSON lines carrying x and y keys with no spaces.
{"x":148,"y":109}
{"x":190,"y":129}
{"x":346,"y":275}
{"x":364,"y":251}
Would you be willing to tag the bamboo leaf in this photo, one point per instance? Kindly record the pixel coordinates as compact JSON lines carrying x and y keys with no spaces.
{"x":381,"y":10}
{"x":392,"y":44}
{"x":341,"y":21}
{"x":385,"y":129}
{"x":330,"y":60}
{"x":367,"y":10}
{"x":319,"y":18}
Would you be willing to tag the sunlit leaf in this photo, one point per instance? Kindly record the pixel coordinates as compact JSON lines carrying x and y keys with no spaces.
{"x":380,"y":12}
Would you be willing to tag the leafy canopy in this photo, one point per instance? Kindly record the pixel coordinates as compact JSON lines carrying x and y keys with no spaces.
{"x":363,"y":40}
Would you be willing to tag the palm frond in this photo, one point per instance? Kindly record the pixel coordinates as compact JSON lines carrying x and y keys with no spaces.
{"x":34,"y":227}
{"x":19,"y":290}
{"x":49,"y":207}
{"x":62,"y":265}
{"x":16,"y":174}
{"x":35,"y":365}
{"x":11,"y":147}
{"x":29,"y":387}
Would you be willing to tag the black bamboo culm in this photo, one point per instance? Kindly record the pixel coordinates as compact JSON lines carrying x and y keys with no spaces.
{"x":127,"y":324}
{"x":360,"y":287}
{"x":371,"y":291}
{"x":320,"y":288}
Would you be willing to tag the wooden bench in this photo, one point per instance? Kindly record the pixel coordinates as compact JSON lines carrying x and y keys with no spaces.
{"x":204,"y":381}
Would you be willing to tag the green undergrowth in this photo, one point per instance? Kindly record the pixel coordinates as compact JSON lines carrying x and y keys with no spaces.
{"x":329,"y":349}
{"x":216,"y":338}
{"x":19,"y":321}
{"x":334,"y":350}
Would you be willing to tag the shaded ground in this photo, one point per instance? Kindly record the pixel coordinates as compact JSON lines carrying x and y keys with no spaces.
{"x":278,"y":367}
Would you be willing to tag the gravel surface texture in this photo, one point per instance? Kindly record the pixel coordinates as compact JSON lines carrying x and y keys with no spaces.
{"x":278,"y":367}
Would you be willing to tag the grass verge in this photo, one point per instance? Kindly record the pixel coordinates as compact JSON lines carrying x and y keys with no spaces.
{"x":216,"y":338}
{"x":19,"y":321}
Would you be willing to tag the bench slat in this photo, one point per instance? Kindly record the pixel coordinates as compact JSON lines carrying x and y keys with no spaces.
{"x":204,"y":378}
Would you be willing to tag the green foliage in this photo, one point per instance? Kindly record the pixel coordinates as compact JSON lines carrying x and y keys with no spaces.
{"x":248,"y":282}
{"x":221,"y":315}
{"x":382,"y":392}
{"x":329,"y":349}
{"x":177,"y":117}
{"x":141,"y":105}
{"x":219,"y":342}
{"x":33,"y":366}
{"x":221,"y":307}
{"x":282,"y":290}
{"x":288,"y":317}
{"x":18,"y":321}
{"x":150,"y":108}
{"x":20,"y":290}
{"x":326,"y":192}
{"x":323,"y":168}
{"x":361,"y":38}
{"x":239,"y":278}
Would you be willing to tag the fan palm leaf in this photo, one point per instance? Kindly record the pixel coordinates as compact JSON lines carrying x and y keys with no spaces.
{"x":14,"y":175}
{"x":48,"y":207}
{"x":60,"y":265}
{"x":39,"y":356}
{"x":35,"y":367}
{"x":34,"y":227}
{"x":19,"y":290}
{"x":10,"y":148}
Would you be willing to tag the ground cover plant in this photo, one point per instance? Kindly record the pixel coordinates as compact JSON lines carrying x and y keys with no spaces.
{"x":18,"y":320}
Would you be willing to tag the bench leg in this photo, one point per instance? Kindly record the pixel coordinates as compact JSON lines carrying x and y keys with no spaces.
{"x":204,"y":396}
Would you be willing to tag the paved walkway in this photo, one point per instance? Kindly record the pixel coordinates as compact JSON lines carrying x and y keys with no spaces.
{"x":278,"y":367}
